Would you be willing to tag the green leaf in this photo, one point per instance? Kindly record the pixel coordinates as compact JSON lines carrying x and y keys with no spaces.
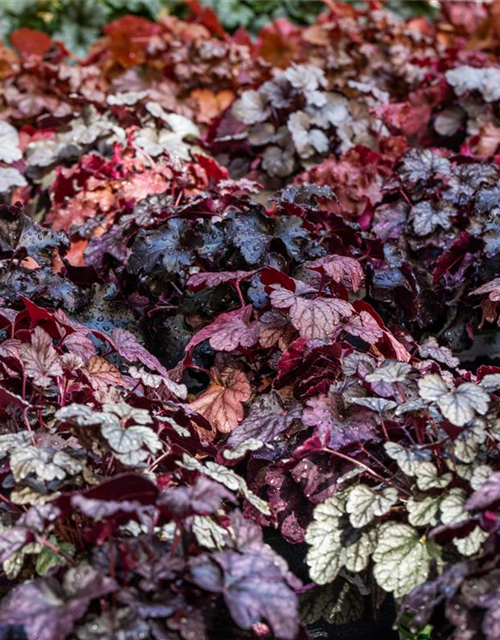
{"x":48,"y":559}
{"x":337,"y":603}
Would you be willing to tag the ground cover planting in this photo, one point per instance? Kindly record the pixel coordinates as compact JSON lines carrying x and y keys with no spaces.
{"x":249,"y":311}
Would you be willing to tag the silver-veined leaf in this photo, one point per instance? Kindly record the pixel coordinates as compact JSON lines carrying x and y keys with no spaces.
{"x":452,"y":506}
{"x":408,"y":459}
{"x":364,"y":504}
{"x":423,"y":512}
{"x":428,"y":478}
{"x":459,"y":405}
{"x":376,"y":404}
{"x":401,"y":558}
{"x":47,"y":465}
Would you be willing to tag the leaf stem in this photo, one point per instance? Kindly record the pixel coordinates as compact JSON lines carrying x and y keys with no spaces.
{"x":354,"y":461}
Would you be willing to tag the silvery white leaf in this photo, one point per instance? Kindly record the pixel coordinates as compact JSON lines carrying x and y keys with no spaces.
{"x":458,"y":405}
{"x":147,"y":139}
{"x":329,"y":551}
{"x":9,"y":441}
{"x":182,"y":126}
{"x":306,"y":139}
{"x":480,"y":475}
{"x":466,"y":446}
{"x":452,"y":506}
{"x":251,"y":107}
{"x":325,"y":558}
{"x":402,"y":559}
{"x":174,"y":144}
{"x":491,"y":382}
{"x":182,"y":431}
{"x":364,"y":504}
{"x":125,"y":412}
{"x":423,"y":512}
{"x":449,"y":121}
{"x":131,"y":439}
{"x":334,"y":113}
{"x":486,"y":80}
{"x":242,"y":449}
{"x":432,"y":387}
{"x":227,"y":477}
{"x":408,"y":459}
{"x":79,"y":414}
{"x":426,"y":217}
{"x":471,"y":544}
{"x":390,"y":371}
{"x":9,"y":147}
{"x":208,"y":533}
{"x":46,"y":465}
{"x":305,"y":77}
{"x":127,"y":98}
{"x":411,"y":405}
{"x":10,"y":177}
{"x":376,"y":404}
{"x":357,"y":555}
{"x":428,"y":478}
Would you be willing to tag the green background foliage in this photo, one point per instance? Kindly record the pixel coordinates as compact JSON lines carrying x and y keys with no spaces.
{"x":79,"y":22}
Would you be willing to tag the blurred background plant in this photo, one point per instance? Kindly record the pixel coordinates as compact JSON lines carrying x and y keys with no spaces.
{"x":79,"y":22}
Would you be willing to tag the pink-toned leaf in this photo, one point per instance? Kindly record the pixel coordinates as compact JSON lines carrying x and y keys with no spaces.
{"x":129,"y":348}
{"x":317,"y":318}
{"x":275,"y":328}
{"x":400,"y":351}
{"x":228,"y":331}
{"x":199,"y":281}
{"x":103,"y":374}
{"x":364,"y":326}
{"x":341,"y":269}
{"x":432,"y":349}
{"x":41,"y":361}
{"x":492,"y":288}
{"x":221,"y":404}
{"x":79,"y":344}
{"x":10,"y":349}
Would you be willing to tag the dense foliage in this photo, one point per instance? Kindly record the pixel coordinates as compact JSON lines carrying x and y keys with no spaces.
{"x":248,"y":312}
{"x":78,"y":23}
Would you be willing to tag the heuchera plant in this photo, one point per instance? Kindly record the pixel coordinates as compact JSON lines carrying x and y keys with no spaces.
{"x":248,"y":309}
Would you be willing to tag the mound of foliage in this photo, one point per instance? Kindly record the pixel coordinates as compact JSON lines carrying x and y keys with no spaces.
{"x":249,"y":377}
